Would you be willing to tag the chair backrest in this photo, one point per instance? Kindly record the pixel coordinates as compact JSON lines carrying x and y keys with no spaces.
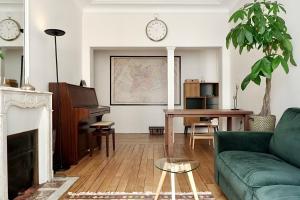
{"x":285,"y":142}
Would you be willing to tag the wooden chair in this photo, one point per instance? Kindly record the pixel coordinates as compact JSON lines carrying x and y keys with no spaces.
{"x":102,"y":128}
{"x":209,"y":135}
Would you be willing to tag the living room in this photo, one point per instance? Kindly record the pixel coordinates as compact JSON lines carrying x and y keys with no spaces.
{"x":172,"y":88}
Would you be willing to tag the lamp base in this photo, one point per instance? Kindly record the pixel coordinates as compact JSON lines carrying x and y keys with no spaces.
{"x":28,"y":87}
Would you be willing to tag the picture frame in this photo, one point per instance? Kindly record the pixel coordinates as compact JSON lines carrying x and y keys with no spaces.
{"x":142,"y":80}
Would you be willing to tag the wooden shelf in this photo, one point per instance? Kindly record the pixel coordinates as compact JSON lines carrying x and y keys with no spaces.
{"x":200,"y":95}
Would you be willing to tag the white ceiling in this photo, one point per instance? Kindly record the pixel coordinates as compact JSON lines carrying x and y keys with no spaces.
{"x":142,"y":5}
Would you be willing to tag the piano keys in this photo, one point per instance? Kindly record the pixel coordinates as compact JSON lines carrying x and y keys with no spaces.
{"x":78,"y":109}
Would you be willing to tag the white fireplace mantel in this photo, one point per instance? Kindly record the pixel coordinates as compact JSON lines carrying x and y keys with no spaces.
{"x":22,"y":111}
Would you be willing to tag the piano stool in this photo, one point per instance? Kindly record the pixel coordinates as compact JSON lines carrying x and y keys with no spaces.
{"x":103,"y":128}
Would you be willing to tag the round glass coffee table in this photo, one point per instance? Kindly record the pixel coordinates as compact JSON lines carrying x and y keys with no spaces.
{"x":176,"y":166}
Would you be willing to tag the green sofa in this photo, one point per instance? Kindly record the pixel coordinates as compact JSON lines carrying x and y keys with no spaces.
{"x":260,"y":166}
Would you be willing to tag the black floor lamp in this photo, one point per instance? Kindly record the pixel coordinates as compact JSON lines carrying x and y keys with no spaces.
{"x":59,"y":164}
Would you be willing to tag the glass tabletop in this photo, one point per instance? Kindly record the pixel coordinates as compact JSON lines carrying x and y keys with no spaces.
{"x":176,"y":165}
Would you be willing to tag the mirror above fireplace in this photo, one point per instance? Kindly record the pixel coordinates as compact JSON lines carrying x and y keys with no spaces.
{"x":12,"y":42}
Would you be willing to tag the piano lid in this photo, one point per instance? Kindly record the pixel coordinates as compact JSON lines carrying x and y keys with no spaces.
{"x":82,"y":96}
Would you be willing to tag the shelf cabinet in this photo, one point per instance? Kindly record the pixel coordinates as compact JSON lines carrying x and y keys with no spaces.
{"x":200,"y":95}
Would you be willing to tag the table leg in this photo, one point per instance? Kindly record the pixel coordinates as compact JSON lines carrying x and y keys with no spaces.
{"x":246,"y":123}
{"x":166,"y":132}
{"x":173,"y":185}
{"x":193,"y":185}
{"x":170,"y":150}
{"x":160,"y":184}
{"x":107,"y":144}
{"x":229,"y":123}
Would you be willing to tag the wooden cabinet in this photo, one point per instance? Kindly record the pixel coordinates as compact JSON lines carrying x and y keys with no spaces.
{"x":200,"y":95}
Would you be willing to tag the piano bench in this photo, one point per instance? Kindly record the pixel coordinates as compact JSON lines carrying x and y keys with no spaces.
{"x":102,"y":124}
{"x":98,"y":133}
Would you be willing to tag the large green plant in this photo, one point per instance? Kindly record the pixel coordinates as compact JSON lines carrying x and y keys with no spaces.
{"x":258,"y":25}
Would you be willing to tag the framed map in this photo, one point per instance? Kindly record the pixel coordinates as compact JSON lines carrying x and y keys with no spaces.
{"x":142,"y":80}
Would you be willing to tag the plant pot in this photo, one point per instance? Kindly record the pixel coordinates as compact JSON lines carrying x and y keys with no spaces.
{"x":259,"y":123}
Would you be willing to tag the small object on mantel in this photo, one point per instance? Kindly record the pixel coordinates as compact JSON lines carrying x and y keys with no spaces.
{"x":191,"y":81}
{"x":11,"y":83}
{"x":28,"y":87}
{"x":156,"y":130}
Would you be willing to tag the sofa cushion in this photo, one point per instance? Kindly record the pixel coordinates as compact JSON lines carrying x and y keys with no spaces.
{"x":278,"y":192}
{"x":286,"y":140}
{"x":258,"y":169}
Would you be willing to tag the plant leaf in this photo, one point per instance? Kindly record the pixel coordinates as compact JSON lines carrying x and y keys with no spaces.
{"x":262,"y":29}
{"x":282,"y":8}
{"x":257,"y":80}
{"x":241,"y":38}
{"x":284,"y":65}
{"x":292,"y":60}
{"x":287,"y":45}
{"x":275,"y":62}
{"x":228,"y":37}
{"x":255,"y":70}
{"x":249,"y":36}
{"x":245,"y":82}
{"x":266,"y":68}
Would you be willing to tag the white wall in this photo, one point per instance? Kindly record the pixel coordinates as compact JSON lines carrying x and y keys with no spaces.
{"x":195,"y":64}
{"x":285,"y":88}
{"x":65,"y":15}
{"x":128,"y":30}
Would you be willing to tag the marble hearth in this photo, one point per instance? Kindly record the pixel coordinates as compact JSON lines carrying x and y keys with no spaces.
{"x":22,"y":111}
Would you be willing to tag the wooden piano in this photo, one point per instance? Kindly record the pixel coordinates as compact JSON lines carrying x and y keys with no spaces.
{"x":78,"y":108}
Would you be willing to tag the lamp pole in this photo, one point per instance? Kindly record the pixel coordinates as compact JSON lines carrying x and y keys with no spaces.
{"x":61,"y":165}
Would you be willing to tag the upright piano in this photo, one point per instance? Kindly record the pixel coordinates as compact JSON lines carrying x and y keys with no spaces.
{"x":78,"y":107}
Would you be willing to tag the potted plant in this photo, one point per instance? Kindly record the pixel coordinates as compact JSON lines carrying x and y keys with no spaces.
{"x":259,"y":26}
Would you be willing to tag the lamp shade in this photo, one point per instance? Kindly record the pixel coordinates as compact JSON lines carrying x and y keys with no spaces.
{"x":55,"y":32}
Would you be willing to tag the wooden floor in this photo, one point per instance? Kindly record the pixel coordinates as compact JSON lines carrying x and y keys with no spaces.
{"x":131,"y":167}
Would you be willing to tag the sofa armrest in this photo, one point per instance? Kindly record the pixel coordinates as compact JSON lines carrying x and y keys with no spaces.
{"x":242,"y":141}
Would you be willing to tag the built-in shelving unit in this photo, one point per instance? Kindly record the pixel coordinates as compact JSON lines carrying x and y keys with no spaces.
{"x":200,"y":95}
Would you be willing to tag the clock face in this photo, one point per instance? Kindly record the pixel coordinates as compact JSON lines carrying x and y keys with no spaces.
{"x":156,"y":30}
{"x":9,"y":29}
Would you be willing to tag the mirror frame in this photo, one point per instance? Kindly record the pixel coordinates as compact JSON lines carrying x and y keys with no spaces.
{"x":26,"y":41}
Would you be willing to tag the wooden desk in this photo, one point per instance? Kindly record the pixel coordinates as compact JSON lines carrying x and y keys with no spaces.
{"x":229,"y":114}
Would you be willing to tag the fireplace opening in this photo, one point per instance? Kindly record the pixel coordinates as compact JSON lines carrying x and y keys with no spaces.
{"x":22,"y":156}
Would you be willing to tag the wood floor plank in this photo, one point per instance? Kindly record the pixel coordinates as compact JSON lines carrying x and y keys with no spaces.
{"x":131,"y":167}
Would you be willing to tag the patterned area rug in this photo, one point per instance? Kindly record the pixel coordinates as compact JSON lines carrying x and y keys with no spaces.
{"x":137,"y":196}
{"x":49,"y":191}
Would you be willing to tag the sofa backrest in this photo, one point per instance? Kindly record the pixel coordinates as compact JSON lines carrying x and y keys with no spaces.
{"x":285,"y":142}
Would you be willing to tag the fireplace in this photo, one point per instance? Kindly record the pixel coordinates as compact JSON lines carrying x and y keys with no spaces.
{"x":21,"y":162}
{"x":25,"y":122}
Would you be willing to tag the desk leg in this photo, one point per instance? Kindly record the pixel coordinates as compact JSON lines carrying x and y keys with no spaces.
{"x":173,"y":185}
{"x":246,"y":123}
{"x":166,"y":132}
{"x":229,"y":123}
{"x":170,"y":150}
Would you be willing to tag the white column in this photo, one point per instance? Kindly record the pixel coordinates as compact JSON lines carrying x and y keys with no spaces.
{"x":171,"y":91}
{"x":226,"y":81}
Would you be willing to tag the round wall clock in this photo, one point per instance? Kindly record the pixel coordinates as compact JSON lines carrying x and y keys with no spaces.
{"x":156,"y":30}
{"x":9,"y":29}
